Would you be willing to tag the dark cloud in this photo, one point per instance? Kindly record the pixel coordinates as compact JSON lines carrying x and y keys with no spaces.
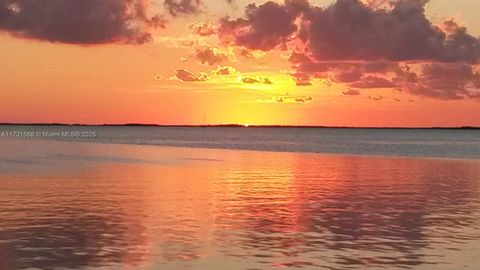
{"x":447,"y":81}
{"x":364,"y":44}
{"x":78,"y":22}
{"x":182,"y":7}
{"x":211,"y":56}
{"x":188,"y":76}
{"x":351,"y":30}
{"x":348,"y":76}
{"x":375,"y":4}
{"x":265,"y":26}
{"x":90,"y":21}
{"x":443,"y":81}
{"x":345,"y":71}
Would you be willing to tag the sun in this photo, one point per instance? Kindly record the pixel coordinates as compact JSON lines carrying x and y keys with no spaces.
{"x":246,"y":125}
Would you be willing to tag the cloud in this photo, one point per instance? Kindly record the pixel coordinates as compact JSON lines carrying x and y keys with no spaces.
{"x":375,"y":4}
{"x":347,"y":76}
{"x":303,"y":99}
{"x":363,"y":44}
{"x":79,"y":22}
{"x":372,"y":82}
{"x":212,"y":56}
{"x":447,"y":81}
{"x":287,"y":100}
{"x":376,"y":98}
{"x":250,"y":54}
{"x":290,"y":99}
{"x":185,"y":75}
{"x":443,"y":81}
{"x":186,"y":7}
{"x":203,"y":29}
{"x":188,"y":76}
{"x":90,"y":22}
{"x":301,"y":79}
{"x":351,"y":30}
{"x":182,"y":7}
{"x":224,"y":71}
{"x":257,"y":80}
{"x":265,"y":26}
{"x":351,"y":92}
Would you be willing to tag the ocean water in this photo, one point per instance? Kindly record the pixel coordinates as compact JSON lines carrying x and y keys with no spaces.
{"x":441,"y":143}
{"x":130,"y":198}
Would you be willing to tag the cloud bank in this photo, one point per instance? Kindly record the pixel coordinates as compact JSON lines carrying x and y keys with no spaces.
{"x":79,"y":22}
{"x":364,"y":44}
{"x":352,"y":30}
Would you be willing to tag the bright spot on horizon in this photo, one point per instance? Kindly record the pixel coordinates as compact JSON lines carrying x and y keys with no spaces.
{"x":246,"y":125}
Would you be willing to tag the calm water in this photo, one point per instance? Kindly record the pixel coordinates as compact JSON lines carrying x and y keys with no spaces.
{"x":383,"y":142}
{"x":92,"y":205}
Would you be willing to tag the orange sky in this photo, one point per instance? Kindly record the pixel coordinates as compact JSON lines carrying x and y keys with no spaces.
{"x":112,"y":82}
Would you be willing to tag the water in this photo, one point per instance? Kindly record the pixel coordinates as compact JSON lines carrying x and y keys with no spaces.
{"x":87,"y":204}
{"x":441,"y":143}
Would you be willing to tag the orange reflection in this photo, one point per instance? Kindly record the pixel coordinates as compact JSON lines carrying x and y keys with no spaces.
{"x":135,"y":206}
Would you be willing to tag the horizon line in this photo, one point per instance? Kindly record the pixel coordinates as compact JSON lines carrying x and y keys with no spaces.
{"x":235,"y":126}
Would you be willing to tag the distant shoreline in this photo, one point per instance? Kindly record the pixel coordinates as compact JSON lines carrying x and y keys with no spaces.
{"x":229,"y":126}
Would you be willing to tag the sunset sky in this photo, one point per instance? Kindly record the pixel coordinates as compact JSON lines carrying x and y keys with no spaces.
{"x":293,"y":62}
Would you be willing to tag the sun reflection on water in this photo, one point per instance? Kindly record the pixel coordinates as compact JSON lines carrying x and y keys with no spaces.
{"x":181,"y":208}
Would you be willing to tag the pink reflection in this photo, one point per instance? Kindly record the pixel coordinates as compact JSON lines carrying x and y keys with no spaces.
{"x":114,"y":205}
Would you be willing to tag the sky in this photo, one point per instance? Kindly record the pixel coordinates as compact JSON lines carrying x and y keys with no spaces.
{"x":375,"y":63}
